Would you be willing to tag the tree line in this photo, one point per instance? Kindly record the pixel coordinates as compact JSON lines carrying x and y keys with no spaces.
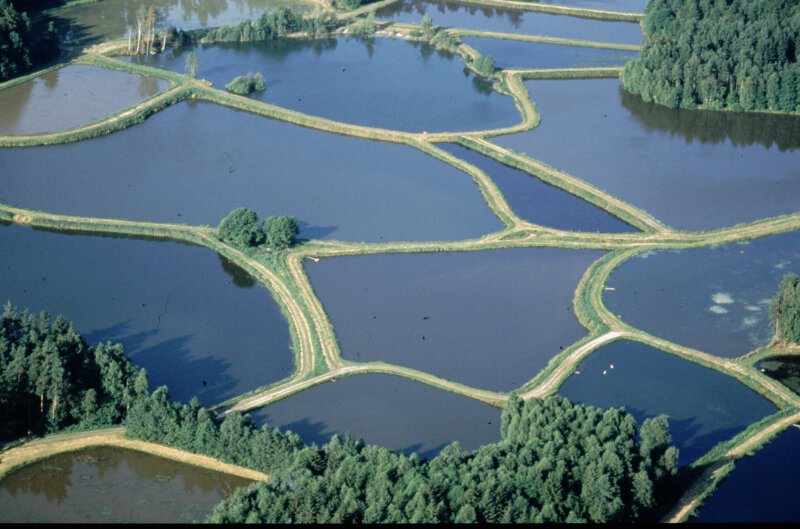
{"x":715,"y":54}
{"x":23,"y":44}
{"x":784,"y":310}
{"x":50,"y":379}
{"x":269,"y":26}
{"x":557,"y":462}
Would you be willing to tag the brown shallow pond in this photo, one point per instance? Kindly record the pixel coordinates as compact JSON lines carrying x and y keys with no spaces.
{"x":112,"y":485}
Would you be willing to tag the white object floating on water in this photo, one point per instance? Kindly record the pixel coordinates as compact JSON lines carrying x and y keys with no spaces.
{"x":610,"y":288}
{"x":604,"y":371}
{"x":577,"y":372}
{"x":611,"y":366}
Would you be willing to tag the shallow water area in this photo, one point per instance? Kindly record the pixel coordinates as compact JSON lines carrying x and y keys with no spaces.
{"x":112,"y":19}
{"x":711,"y":299}
{"x":684,"y":172}
{"x":393,"y":412}
{"x":538,"y":55}
{"x":489,"y":319}
{"x":538,"y":202}
{"x":70,"y":97}
{"x":197,"y":323}
{"x":762,"y":488}
{"x":112,"y":485}
{"x":487,"y":18}
{"x":382,"y":82}
{"x":704,"y":406}
{"x":336,"y":186}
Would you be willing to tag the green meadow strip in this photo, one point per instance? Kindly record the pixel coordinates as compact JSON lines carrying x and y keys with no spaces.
{"x":545,"y":40}
{"x":580,"y":12}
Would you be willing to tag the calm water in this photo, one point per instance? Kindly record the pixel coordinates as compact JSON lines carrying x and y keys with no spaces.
{"x":704,"y":406}
{"x":389,"y":411}
{"x":711,"y":299}
{"x":538,"y":202}
{"x":110,"y":19}
{"x":112,"y":485}
{"x":71,"y":96}
{"x":517,"y":54}
{"x":762,"y":488}
{"x":175,"y":309}
{"x":337,"y":187}
{"x":587,"y":131}
{"x":490,"y":319}
{"x":384,"y":83}
{"x":784,"y":369}
{"x":466,"y":16}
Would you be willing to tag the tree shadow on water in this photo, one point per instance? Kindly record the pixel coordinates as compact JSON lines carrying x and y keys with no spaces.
{"x":307,"y":231}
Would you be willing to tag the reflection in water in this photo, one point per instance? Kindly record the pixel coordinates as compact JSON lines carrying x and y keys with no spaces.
{"x":741,"y":128}
{"x":240,"y":278}
{"x":112,"y":485}
{"x":486,"y":18}
{"x":114,"y":18}
{"x":784,"y":369}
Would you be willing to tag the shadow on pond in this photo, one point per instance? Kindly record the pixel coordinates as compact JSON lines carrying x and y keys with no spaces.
{"x":740,"y":128}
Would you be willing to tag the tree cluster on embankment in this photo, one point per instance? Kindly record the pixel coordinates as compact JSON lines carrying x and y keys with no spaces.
{"x":737,"y":54}
{"x":241,"y":228}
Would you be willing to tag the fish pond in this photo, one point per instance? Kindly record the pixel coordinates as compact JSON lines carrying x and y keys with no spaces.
{"x":336,"y":186}
{"x":487,"y":18}
{"x":71,"y":96}
{"x":393,"y":412}
{"x":385,"y":83}
{"x":538,"y":202}
{"x":538,"y":55}
{"x":112,"y":485}
{"x":711,"y":299}
{"x":704,"y":406}
{"x":588,"y":131}
{"x":762,"y":487}
{"x":194,"y":321}
{"x":489,"y":319}
{"x":113,"y":19}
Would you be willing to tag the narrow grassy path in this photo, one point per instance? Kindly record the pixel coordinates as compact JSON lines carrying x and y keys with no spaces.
{"x":36,"y":450}
{"x":317,"y":355}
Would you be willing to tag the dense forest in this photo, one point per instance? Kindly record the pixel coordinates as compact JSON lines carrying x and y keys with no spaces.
{"x":51,"y":379}
{"x":715,"y":54}
{"x":22,"y":43}
{"x":784,"y":311}
{"x":558,"y":461}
